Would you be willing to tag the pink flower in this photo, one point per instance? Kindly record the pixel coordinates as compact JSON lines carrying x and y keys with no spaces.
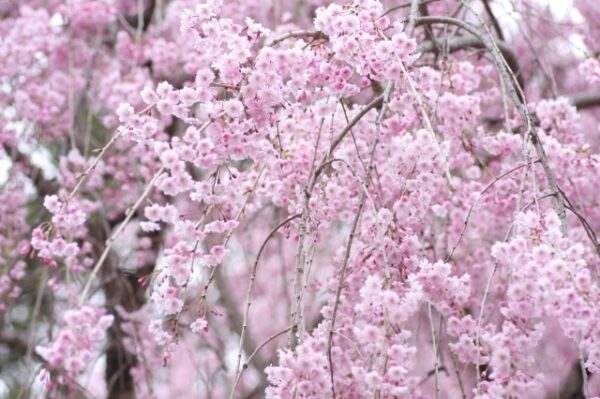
{"x":233,"y":108}
{"x":52,"y":203}
{"x":188,"y":96}
{"x":169,"y":158}
{"x":200,"y":324}
{"x":149,"y":96}
{"x":125,"y":112}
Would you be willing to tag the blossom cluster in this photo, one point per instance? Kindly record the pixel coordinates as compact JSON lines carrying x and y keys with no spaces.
{"x":300,"y":199}
{"x":75,"y":344}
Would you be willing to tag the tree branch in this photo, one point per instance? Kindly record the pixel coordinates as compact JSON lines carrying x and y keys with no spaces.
{"x":468,"y":41}
{"x":385,"y":98}
{"x":585,"y":100}
{"x":515,"y":91}
{"x":490,"y":13}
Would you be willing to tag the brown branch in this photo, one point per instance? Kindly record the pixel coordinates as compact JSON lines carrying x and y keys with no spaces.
{"x":315,"y":35}
{"x":585,"y":100}
{"x":463,"y":42}
{"x":490,"y":13}
{"x":412,"y":16}
{"x":404,"y":5}
{"x":127,"y":291}
{"x":254,"y":353}
{"x":428,"y":31}
{"x":572,"y":384}
{"x":118,"y":291}
{"x":142,"y":20}
{"x":44,"y":187}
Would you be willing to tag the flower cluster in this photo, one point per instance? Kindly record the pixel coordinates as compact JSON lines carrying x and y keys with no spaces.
{"x":13,"y":245}
{"x":371,"y":181}
{"x":75,"y":345}
{"x":57,"y":239}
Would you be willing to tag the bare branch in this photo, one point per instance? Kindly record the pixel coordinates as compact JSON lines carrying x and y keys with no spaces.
{"x":463,"y":42}
{"x":490,"y":13}
{"x":404,"y":5}
{"x":585,"y":100}
{"x":314,"y":34}
{"x":412,"y":17}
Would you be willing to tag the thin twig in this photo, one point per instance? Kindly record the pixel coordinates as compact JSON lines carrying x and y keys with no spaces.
{"x":468,"y":217}
{"x":250,"y":291}
{"x":314,"y":34}
{"x":435,"y":352}
{"x":386,"y":95}
{"x":83,"y":176}
{"x":376,"y":102}
{"x":109,"y":243}
{"x":247,"y":362}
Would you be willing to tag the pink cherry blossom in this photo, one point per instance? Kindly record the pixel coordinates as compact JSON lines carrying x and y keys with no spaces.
{"x":318,"y":199}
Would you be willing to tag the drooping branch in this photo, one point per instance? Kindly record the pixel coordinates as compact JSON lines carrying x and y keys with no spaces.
{"x":386,"y":96}
{"x":295,"y":314}
{"x":509,"y":79}
{"x":114,"y":236}
{"x":251,"y":290}
{"x":251,"y":357}
{"x":515,"y":91}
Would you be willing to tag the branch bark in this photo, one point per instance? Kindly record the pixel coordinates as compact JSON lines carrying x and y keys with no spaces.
{"x":495,"y":23}
{"x":585,"y":100}
{"x":470,"y":41}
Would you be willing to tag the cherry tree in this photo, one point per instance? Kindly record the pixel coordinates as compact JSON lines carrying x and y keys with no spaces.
{"x":299,"y":199}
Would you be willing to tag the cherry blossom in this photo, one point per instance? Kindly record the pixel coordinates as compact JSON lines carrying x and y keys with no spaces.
{"x":369,"y":199}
